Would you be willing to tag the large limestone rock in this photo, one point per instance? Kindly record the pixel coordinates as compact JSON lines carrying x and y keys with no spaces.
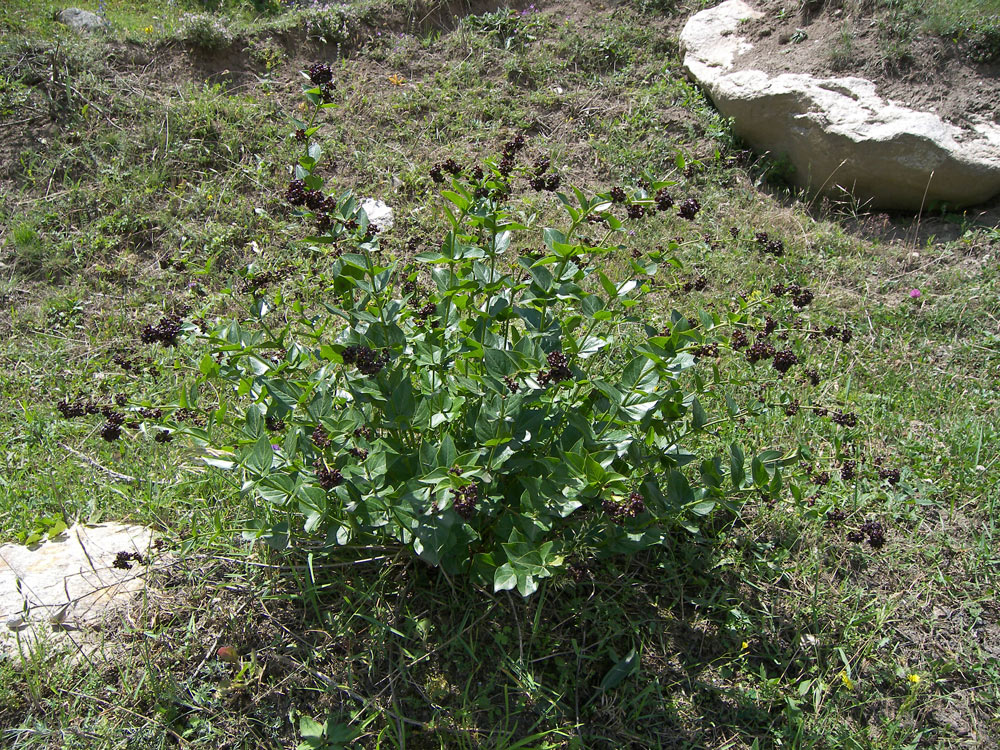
{"x":63,"y":589}
{"x":81,"y":20}
{"x":838,"y":133}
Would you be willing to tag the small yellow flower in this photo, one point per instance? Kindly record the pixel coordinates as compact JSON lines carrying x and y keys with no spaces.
{"x":848,"y":682}
{"x":209,"y":196}
{"x":148,"y":30}
{"x":396,"y":80}
{"x":913,"y":678}
{"x":745,"y":646}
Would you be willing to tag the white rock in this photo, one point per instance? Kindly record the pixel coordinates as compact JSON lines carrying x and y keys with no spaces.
{"x":81,"y":20}
{"x":378,"y":213}
{"x":68,"y":583}
{"x":838,"y":133}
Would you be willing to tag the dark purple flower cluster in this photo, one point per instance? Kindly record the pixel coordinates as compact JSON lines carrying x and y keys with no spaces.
{"x":889,"y":475}
{"x":635,"y":211}
{"x":300,"y":135}
{"x":813,"y":376}
{"x":164,"y":332}
{"x":689,"y":208}
{"x":619,"y":511}
{"x":506,"y":164}
{"x":542,"y":181}
{"x":760,"y":350}
{"x":771,"y":246}
{"x":368,"y":361}
{"x":784,"y":359}
{"x":190,"y":415}
{"x":451,"y":166}
{"x":698,"y":283}
{"x":72,"y":409}
{"x":359,"y":453}
{"x":436,"y":174}
{"x":163,"y":436}
{"x":296,"y":192}
{"x":558,"y":369}
{"x":112,"y":429}
{"x":844,"y":334}
{"x":618,"y":195}
{"x":664,"y":200}
{"x":320,"y":73}
{"x":821,"y":478}
{"x":124,"y":560}
{"x":846,"y":419}
{"x":320,"y":437}
{"x":791,"y":408}
{"x":801,"y":297}
{"x":426,"y":311}
{"x":511,"y":384}
{"x":707,"y":350}
{"x":848,"y":470}
{"x":871,"y":529}
{"x":515,"y":144}
{"x":328,"y":478}
{"x":739,"y":339}
{"x":464,"y":500}
{"x":834,"y":517}
{"x":363,"y":432}
{"x":274,"y":424}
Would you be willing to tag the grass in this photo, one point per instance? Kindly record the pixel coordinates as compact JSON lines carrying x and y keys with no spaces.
{"x":136,"y":184}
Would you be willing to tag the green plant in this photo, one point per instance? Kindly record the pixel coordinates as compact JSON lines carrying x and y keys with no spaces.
{"x":515,"y":415}
{"x":510,"y":29}
{"x":842,"y":52}
{"x":205,"y":31}
{"x":330,"y":735}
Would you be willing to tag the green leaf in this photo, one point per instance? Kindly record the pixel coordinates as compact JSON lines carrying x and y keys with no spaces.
{"x":498,"y":363}
{"x":679,"y":492}
{"x":609,"y":287}
{"x":260,"y":458}
{"x":622,"y":669}
{"x":759,"y":473}
{"x":703,"y":508}
{"x":309,"y":728}
{"x":505,"y":578}
{"x":736,"y":460}
{"x":698,"y":415}
{"x":208,"y":366}
{"x":459,"y":200}
{"x":551,"y":236}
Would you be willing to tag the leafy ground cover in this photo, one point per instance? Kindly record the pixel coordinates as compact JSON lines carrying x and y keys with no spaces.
{"x":145,"y":175}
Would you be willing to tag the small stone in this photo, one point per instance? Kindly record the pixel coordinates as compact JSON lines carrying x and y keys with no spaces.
{"x":81,"y":20}
{"x":378,"y":213}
